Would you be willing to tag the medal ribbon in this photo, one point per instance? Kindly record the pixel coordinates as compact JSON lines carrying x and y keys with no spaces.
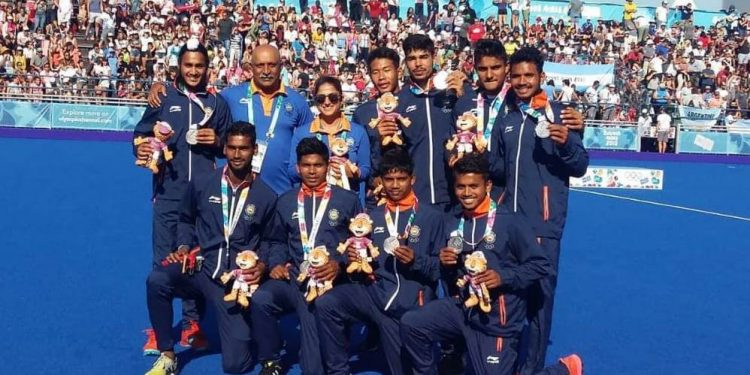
{"x":531,"y":111}
{"x":207,"y":111}
{"x":308,"y":242}
{"x":274,"y":115}
{"x":495,"y":106}
{"x":392,"y":224}
{"x":231,"y":213}
{"x":487,"y":228}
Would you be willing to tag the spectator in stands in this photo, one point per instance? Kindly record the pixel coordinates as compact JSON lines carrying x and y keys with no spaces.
{"x":663,"y":125}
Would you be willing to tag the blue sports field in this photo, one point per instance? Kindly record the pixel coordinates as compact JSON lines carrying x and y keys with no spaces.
{"x":644,"y":289}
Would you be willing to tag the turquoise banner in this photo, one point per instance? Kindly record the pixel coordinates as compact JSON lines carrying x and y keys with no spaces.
{"x":698,"y":142}
{"x":611,"y":138}
{"x":69,"y":116}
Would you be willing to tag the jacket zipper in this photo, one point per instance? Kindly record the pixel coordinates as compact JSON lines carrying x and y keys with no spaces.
{"x":518,"y":159}
{"x":429,"y":134}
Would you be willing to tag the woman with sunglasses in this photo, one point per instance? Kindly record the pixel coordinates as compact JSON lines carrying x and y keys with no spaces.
{"x":331,"y":124}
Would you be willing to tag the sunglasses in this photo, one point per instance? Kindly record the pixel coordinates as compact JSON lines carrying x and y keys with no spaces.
{"x":334,"y":98}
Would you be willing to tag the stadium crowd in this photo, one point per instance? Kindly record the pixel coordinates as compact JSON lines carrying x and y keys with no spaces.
{"x":116,"y":49}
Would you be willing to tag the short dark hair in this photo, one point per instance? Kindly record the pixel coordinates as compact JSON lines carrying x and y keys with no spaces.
{"x":312,"y":146}
{"x":200,"y":49}
{"x":489,"y":48}
{"x":335,"y":82}
{"x":418,"y":42}
{"x":528,"y":55}
{"x":396,"y":159}
{"x":383,"y":53}
{"x":472,"y":163}
{"x":241,"y":128}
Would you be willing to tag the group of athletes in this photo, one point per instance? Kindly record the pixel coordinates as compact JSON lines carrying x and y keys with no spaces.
{"x":506,"y":203}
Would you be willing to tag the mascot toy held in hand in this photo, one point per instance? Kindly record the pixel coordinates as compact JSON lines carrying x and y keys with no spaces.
{"x":361,"y":227}
{"x":466,"y":139}
{"x":339,"y":151}
{"x":241,"y":290}
{"x":318,"y":257}
{"x":475,"y":263}
{"x":162,"y":133}
{"x":387,"y":104}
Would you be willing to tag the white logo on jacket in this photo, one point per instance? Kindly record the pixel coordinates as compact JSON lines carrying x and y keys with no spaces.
{"x":214,"y":199}
{"x":508,"y":129}
{"x":411,"y":108}
{"x":175,"y":108}
{"x":493,"y":360}
{"x":378,"y":230}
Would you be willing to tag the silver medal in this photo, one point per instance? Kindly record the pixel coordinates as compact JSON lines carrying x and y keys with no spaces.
{"x":456,"y":243}
{"x":192,"y":137}
{"x":440,"y":80}
{"x":391,"y":244}
{"x":542,"y":129}
{"x":304,"y":267}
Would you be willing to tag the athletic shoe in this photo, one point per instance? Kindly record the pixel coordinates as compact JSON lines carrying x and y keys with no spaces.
{"x":573,"y":363}
{"x":164,"y":366}
{"x":271,"y":368}
{"x":192,"y":337}
{"x":150,"y":347}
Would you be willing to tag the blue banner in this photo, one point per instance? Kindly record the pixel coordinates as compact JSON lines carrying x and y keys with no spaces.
{"x":698,"y":142}
{"x":738,"y":143}
{"x":582,"y":76}
{"x":25,"y":114}
{"x":611,"y":138}
{"x":69,"y":116}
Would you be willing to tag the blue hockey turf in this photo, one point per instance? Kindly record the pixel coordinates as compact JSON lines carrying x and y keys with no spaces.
{"x":643,"y":289}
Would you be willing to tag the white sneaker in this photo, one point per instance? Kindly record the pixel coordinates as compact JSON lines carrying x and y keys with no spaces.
{"x":164,"y":366}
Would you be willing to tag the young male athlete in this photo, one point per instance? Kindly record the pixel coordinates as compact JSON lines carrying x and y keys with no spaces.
{"x":406,"y":271}
{"x":314,"y":214}
{"x":540,"y":156}
{"x":222,"y":214}
{"x":514,"y":261}
{"x":199,"y":120}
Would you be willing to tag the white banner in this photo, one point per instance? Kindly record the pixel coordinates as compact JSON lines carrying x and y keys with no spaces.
{"x":582,"y":75}
{"x":698,"y":117}
{"x":620,"y":178}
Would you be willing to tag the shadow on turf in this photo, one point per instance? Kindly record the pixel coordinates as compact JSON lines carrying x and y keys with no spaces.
{"x":289,"y":324}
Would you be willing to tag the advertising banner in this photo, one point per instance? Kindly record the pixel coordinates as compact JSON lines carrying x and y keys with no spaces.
{"x":698,"y":117}
{"x":611,"y":138}
{"x":620,"y":178}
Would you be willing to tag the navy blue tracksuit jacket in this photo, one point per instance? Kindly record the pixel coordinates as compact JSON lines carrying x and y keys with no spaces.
{"x":516,"y":255}
{"x":536,"y":170}
{"x":334,"y":227}
{"x":201,"y":223}
{"x":189,"y":161}
{"x":362,"y":115}
{"x":431,"y":127}
{"x":414,"y":285}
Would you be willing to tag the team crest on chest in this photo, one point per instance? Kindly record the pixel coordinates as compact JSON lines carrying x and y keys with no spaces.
{"x":289,"y":108}
{"x":489,"y":240}
{"x":333,"y":217}
{"x":249,"y":211}
{"x":414,"y":231}
{"x":333,"y":214}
